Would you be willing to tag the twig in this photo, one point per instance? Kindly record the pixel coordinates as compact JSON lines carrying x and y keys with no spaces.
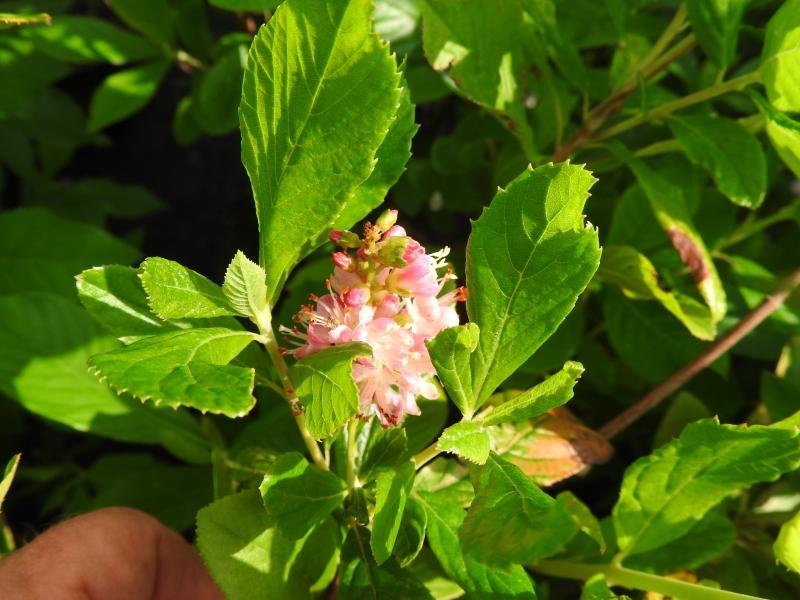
{"x":675,"y":381}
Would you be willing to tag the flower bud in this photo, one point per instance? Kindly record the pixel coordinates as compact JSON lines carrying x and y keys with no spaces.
{"x":394,"y":231}
{"x":342,"y":260}
{"x":356,"y":297}
{"x":387,"y":219}
{"x":345,"y":239}
{"x":392,"y":251}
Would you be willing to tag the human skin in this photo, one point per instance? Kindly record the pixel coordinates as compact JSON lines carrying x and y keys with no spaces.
{"x":109,"y":554}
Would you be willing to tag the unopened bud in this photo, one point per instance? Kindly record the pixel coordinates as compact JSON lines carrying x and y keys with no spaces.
{"x":394,"y":231}
{"x":392,"y":250}
{"x":387,"y":219}
{"x":342,"y":260}
{"x":346,"y":239}
{"x":356,"y":297}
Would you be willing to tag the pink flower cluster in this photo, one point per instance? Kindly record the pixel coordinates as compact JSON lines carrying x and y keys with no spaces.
{"x":385,"y":292}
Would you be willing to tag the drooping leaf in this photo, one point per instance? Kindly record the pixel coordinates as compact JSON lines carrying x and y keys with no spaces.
{"x":299,"y":496}
{"x":467,"y":440}
{"x":80,"y":39}
{"x":245,"y":286}
{"x":45,"y":341}
{"x":786,"y":547}
{"x":716,"y":25}
{"x":554,"y":391}
{"x":665,"y":494}
{"x":324,"y":384}
{"x":637,"y":278}
{"x":481,"y":47}
{"x":727,"y":150}
{"x":42,"y":252}
{"x":8,"y":478}
{"x":249,"y":558}
{"x":124,"y":93}
{"x":477,"y":579}
{"x":308,"y":139}
{"x":391,"y":493}
{"x":529,"y":257}
{"x":183,"y":368}
{"x":780,"y":57}
{"x":511,"y":520}
{"x":451,"y":352}
{"x":177,"y":292}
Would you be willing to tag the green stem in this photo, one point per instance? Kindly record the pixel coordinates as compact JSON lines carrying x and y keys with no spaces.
{"x":674,"y":27}
{"x":618,"y":575}
{"x":352,"y":452}
{"x":751,"y":227}
{"x":425,"y":456}
{"x":732,"y":85}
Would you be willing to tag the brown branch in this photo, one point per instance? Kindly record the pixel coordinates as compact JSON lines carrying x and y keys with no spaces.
{"x":675,"y":381}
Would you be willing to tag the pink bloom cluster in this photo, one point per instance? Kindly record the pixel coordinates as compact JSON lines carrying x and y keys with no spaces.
{"x":385,"y":292}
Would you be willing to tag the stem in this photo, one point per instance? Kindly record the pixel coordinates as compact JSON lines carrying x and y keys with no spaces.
{"x":675,"y":381}
{"x":713,"y":91}
{"x":748,"y":228}
{"x":637,"y":580}
{"x":352,"y":452}
{"x":425,"y":456}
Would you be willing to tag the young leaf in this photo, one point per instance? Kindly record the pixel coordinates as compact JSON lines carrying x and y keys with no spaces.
{"x":311,"y":125}
{"x":124,"y":93}
{"x":511,"y":520}
{"x":663,"y":495}
{"x":183,"y":368}
{"x":467,"y":440}
{"x":780,"y":57}
{"x":554,"y":391}
{"x":411,"y":535}
{"x":298,"y":495}
{"x":450,"y":352}
{"x":324,"y":383}
{"x":8,"y":477}
{"x":391,"y":492}
{"x":637,"y":278}
{"x":481,"y":48}
{"x":245,"y":287}
{"x":716,"y":26}
{"x":729,"y":152}
{"x":786,"y":547}
{"x":478,"y":580}
{"x":250,"y":559}
{"x":85,"y":39}
{"x":177,"y":292}
{"x":528,"y":258}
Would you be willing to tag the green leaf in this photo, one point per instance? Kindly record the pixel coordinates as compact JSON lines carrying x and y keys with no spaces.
{"x":183,"y":368}
{"x":684,"y":409}
{"x":467,"y":440}
{"x":411,"y":535}
{"x":596,"y":588}
{"x":298,"y":496}
{"x":637,"y":278}
{"x":391,"y":492}
{"x":780,"y":57}
{"x":669,"y":206}
{"x":8,"y":478}
{"x":152,"y":18}
{"x":528,"y":258}
{"x":78,"y":39}
{"x":481,"y":47}
{"x":665,"y":494}
{"x":324,"y":384}
{"x":451,"y":351}
{"x":783,"y":133}
{"x":583,"y":517}
{"x":396,"y":20}
{"x":512,"y":520}
{"x":729,"y":152}
{"x":425,"y":428}
{"x":216,"y":97}
{"x":245,"y":287}
{"x":716,"y":25}
{"x":22,"y":20}
{"x":384,"y":448}
{"x":250,"y":559}
{"x":42,"y":252}
{"x":554,"y":391}
{"x":124,"y":93}
{"x":478,"y":580}
{"x":786,"y":546}
{"x":177,"y":292}
{"x":310,"y":124}
{"x":246,"y":5}
{"x":45,"y":341}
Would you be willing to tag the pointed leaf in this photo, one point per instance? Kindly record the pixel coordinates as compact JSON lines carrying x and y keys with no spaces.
{"x":716,"y":25}
{"x":298,"y":495}
{"x":411,"y":536}
{"x":245,"y":286}
{"x":391,"y":492}
{"x":780,"y":57}
{"x":183,"y":368}
{"x":177,"y":292}
{"x":451,"y":352}
{"x":324,"y":383}
{"x":310,"y":125}
{"x":528,"y":258}
{"x":554,"y":391}
{"x":467,"y":440}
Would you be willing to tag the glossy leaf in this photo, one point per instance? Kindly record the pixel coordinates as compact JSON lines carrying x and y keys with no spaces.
{"x":780,"y":57}
{"x":307,"y":139}
{"x":183,"y":368}
{"x":467,"y":440}
{"x":391,"y":493}
{"x":245,"y":287}
{"x":451,"y":352}
{"x":298,"y":496}
{"x":411,"y":535}
{"x":384,"y":448}
{"x":529,"y":257}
